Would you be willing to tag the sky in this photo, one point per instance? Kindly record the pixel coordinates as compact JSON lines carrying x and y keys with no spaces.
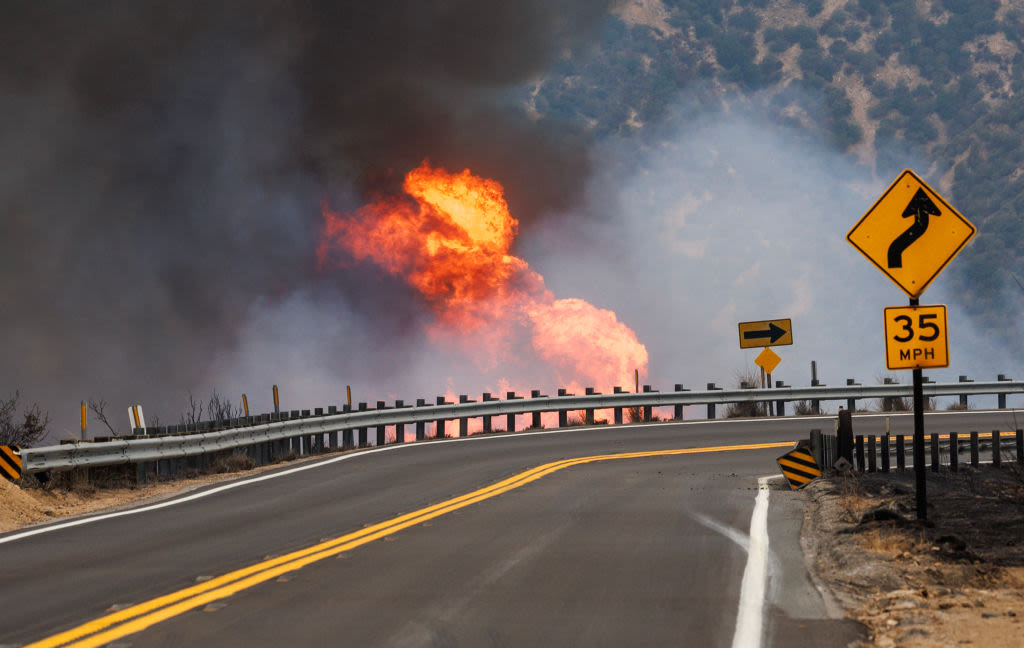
{"x":164,"y":168}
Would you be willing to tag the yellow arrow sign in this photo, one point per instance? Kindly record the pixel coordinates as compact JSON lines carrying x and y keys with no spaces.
{"x":766,"y":333}
{"x":767,"y":360}
{"x":911,"y":233}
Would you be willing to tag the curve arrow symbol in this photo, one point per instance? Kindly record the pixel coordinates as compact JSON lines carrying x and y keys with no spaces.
{"x":920,"y":207}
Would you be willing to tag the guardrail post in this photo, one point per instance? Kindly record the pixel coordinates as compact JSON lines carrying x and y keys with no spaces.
{"x":851,"y":403}
{"x":463,"y":422}
{"x":535,"y":416}
{"x":817,"y":449}
{"x":1002,"y":397}
{"x":318,"y":438}
{"x":963,"y":397}
{"x":975,"y":459}
{"x":678,"y":412}
{"x":381,"y":430}
{"x":421,"y":426}
{"x":844,"y":436}
{"x":510,"y":419}
{"x":996,"y":450}
{"x":332,"y":436}
{"x":1020,"y":446}
{"x":362,"y":431}
{"x":563,"y":415}
{"x":954,"y":452}
{"x":647,"y":408}
{"x":885,"y":452}
{"x":346,"y":433}
{"x":872,"y":465}
{"x":860,"y":453}
{"x":780,"y":405}
{"x":711,"y":406}
{"x":399,"y":427}
{"x":935,"y":452}
{"x":589,"y":412}
{"x":487,"y":419}
{"x":901,"y":453}
{"x":439,"y":425}
{"x":617,"y":411}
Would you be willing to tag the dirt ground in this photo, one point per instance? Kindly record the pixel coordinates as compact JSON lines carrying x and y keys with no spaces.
{"x":957,"y":579}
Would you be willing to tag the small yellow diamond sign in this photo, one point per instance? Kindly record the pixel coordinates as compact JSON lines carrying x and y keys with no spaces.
{"x":911,"y":233}
{"x":768,"y":360}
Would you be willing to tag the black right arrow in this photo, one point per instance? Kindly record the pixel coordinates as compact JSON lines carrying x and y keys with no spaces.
{"x":773,"y":333}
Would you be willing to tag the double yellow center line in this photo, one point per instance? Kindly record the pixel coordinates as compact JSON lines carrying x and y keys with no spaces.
{"x":138,"y":617}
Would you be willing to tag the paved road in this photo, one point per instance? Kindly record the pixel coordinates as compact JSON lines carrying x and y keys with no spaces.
{"x":643,"y":551}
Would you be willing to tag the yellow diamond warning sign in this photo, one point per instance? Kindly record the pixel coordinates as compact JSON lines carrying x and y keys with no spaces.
{"x":911,"y":233}
{"x":915,"y":337}
{"x":768,"y":360}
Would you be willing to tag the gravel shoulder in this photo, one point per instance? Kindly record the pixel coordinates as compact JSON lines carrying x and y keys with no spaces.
{"x":957,"y":579}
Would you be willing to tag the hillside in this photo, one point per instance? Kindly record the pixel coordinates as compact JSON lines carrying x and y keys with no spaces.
{"x":883,"y":80}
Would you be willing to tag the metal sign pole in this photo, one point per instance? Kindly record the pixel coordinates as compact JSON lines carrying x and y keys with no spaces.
{"x":919,"y":473}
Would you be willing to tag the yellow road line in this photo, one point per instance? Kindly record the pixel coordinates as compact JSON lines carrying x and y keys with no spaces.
{"x":138,"y":617}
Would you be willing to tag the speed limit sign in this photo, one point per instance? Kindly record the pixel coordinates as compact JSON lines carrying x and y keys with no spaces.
{"x":915,"y":337}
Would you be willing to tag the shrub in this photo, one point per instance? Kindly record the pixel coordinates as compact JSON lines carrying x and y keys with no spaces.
{"x":747,"y":409}
{"x":24,"y":429}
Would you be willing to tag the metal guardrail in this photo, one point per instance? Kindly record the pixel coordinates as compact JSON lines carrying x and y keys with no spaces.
{"x":139,"y":449}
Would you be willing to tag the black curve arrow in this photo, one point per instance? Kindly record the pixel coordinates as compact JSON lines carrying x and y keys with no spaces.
{"x":773,"y":333}
{"x":920,"y":207}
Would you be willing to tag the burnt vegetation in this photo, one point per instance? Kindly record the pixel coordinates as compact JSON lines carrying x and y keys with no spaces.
{"x":21,"y":424}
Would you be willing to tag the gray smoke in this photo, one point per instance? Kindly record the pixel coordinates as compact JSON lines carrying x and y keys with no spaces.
{"x":163,"y":166}
{"x":716,"y":217}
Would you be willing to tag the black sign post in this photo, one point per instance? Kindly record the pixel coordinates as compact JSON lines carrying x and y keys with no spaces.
{"x":921,"y":502}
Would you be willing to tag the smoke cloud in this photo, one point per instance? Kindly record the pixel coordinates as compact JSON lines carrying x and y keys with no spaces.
{"x":717,"y":217}
{"x":164,"y":163}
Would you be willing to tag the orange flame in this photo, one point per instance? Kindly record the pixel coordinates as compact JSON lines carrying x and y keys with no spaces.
{"x":449,"y":238}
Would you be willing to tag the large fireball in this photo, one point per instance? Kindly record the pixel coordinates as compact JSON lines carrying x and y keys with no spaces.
{"x":449,"y":238}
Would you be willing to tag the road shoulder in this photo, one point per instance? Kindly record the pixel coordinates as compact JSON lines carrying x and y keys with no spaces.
{"x":956,"y":579}
{"x":800,"y":613}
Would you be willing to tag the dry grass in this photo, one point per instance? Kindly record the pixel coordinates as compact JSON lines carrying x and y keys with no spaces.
{"x":577,"y":418}
{"x":232,"y":463}
{"x":748,"y":409}
{"x":803,"y":408}
{"x":890,"y":542}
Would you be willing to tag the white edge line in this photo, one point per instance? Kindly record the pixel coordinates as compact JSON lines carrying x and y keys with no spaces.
{"x":344,"y":457}
{"x":749,"y":618}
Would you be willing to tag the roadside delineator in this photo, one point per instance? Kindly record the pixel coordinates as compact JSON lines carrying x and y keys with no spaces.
{"x":798,"y":466}
{"x":10,"y":462}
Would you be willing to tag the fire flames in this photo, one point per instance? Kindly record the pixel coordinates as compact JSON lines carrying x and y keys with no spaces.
{"x":449,"y":237}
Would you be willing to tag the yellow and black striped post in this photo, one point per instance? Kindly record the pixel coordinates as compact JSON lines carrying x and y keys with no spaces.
{"x":799,"y":467}
{"x":10,"y":462}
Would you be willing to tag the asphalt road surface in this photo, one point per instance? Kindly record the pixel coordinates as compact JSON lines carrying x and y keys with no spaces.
{"x":501,"y":540}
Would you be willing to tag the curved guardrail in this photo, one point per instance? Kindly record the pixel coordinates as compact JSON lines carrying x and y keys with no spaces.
{"x":140,"y":449}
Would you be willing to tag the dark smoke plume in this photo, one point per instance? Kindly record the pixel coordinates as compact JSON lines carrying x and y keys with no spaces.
{"x":163,"y":164}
